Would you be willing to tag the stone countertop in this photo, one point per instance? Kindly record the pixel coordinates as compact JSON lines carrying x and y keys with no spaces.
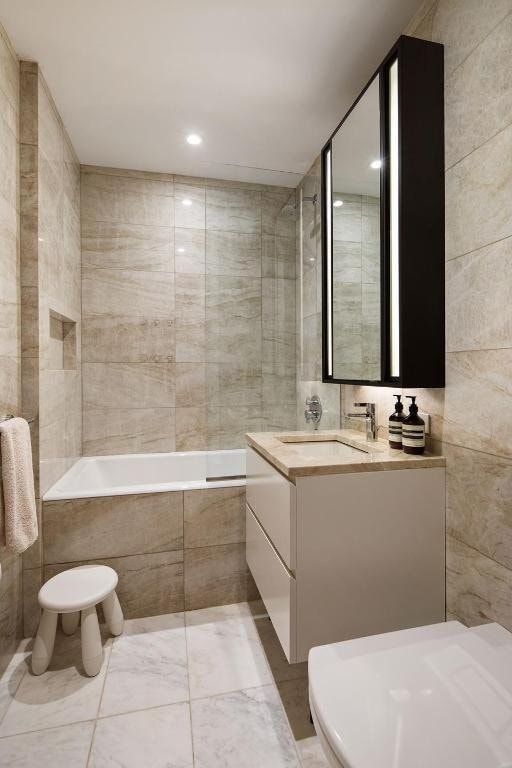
{"x":278,"y":449}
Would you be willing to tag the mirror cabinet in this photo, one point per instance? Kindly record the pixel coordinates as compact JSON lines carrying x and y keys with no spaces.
{"x":383,"y":227}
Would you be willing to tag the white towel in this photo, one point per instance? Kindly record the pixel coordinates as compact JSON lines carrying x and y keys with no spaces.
{"x":20,"y":516}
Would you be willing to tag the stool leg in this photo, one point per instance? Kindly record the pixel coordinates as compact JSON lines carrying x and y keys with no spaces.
{"x":70,"y":622}
{"x":44,"y":642}
{"x":113,"y":614}
{"x":92,"y":651}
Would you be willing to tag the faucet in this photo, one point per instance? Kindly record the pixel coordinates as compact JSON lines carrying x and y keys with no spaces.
{"x":369,"y":416}
{"x":313,"y":410}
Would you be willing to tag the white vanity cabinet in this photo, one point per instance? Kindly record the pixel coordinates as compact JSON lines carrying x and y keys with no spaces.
{"x":339,"y":556}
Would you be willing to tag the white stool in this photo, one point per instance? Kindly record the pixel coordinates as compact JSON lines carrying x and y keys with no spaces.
{"x":75,"y":591}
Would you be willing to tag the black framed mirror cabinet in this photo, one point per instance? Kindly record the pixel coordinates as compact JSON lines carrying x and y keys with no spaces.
{"x":383,"y":258}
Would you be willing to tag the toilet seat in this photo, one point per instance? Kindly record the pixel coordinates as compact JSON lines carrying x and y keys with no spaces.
{"x":431,"y":696}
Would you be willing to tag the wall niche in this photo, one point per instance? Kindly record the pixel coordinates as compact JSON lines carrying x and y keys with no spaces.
{"x":62,"y":343}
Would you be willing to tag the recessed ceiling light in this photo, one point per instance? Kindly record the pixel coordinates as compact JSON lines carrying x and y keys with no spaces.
{"x":194,"y":139}
{"x":337,"y":203}
{"x":312,"y":258}
{"x":376,"y":164}
{"x":181,"y":250}
{"x":186,"y":201}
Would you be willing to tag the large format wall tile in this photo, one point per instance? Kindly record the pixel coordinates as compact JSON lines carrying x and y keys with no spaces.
{"x":141,"y":430}
{"x":215,"y":576}
{"x":112,"y":526}
{"x":214,"y":516}
{"x":128,"y":385}
{"x":233,"y":210}
{"x":189,"y":250}
{"x":127,"y":339}
{"x":112,"y":291}
{"x":233,"y":254}
{"x":127,"y":200}
{"x":189,"y":206}
{"x":127,"y":246}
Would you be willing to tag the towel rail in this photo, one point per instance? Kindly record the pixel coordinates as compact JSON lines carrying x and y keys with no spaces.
{"x":11,"y":416}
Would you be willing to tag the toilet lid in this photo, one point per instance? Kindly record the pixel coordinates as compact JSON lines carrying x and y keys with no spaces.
{"x":437,"y":696}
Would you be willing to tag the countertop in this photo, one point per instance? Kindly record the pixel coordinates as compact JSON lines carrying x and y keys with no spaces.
{"x":375,"y":456}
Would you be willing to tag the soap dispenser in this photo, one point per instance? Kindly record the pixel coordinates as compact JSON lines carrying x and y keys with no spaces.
{"x":413,"y":429}
{"x":395,"y":424}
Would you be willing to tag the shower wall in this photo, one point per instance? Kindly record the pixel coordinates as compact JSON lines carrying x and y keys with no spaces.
{"x":188,"y":304}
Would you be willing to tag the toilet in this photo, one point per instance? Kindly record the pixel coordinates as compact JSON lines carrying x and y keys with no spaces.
{"x":438,"y":696}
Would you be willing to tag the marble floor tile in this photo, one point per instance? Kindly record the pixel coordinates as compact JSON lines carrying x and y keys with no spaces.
{"x":310,"y":753}
{"x":60,"y":696}
{"x":156,"y":738}
{"x":224,"y":652}
{"x":64,"y":747}
{"x":11,"y":678}
{"x":245,"y":729}
{"x":148,"y":666}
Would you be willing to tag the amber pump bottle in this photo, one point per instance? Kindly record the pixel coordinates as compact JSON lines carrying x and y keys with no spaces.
{"x":413,"y":429}
{"x":395,"y":424}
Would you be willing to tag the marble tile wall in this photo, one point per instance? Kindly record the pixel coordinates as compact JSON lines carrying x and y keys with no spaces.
{"x":11,"y":612}
{"x":50,"y":293}
{"x":187,"y":290}
{"x":471,"y":417}
{"x":171,"y":551}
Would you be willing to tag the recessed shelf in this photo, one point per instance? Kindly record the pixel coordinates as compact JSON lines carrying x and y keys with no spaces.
{"x":62,"y":343}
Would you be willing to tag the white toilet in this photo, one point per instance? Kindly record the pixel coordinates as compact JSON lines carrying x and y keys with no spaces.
{"x":432,"y":697}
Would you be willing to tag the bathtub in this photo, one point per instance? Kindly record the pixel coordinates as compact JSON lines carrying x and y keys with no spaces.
{"x":94,"y":476}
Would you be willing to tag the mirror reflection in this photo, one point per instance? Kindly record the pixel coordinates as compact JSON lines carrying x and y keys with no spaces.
{"x":356,"y":346}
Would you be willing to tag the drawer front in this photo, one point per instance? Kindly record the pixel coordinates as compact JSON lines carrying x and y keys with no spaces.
{"x":272,"y":499}
{"x":275,"y":584}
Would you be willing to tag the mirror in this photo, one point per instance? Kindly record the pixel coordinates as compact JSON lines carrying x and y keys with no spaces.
{"x":355,"y":204}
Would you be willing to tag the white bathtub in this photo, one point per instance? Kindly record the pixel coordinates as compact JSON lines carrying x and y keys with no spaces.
{"x":149,"y":473}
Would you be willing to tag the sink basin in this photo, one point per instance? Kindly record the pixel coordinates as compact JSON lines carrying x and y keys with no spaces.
{"x":314,"y":449}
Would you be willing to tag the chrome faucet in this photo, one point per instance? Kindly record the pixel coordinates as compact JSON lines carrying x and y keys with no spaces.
{"x":369,"y":416}
{"x":313,"y":410}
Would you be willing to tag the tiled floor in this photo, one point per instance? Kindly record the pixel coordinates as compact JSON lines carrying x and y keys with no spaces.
{"x":208,"y":688}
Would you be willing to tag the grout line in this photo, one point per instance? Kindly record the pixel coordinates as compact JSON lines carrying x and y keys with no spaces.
{"x":472,"y":450}
{"x":99,"y":702}
{"x":480,"y":248}
{"x":477,"y":148}
{"x":480,"y":42}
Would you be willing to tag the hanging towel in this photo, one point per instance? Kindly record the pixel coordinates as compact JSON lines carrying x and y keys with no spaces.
{"x":20,"y":516}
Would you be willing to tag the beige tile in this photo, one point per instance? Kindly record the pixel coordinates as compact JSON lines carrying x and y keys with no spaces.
{"x":233,"y":210}
{"x":10,"y":389}
{"x":189,"y":206}
{"x":277,"y":418}
{"x":127,"y":246}
{"x":149,"y":585}
{"x":28,"y":181}
{"x":233,"y":316}
{"x":128,"y":385}
{"x":279,"y":666}
{"x":9,"y":265}
{"x":137,"y":430}
{"x":215,"y":576}
{"x":127,"y":199}
{"x":214,"y":517}
{"x":32,"y":583}
{"x":112,"y":526}
{"x":191,"y":428}
{"x":478,"y":301}
{"x":10,"y":330}
{"x":278,"y":308}
{"x":28,"y":250}
{"x":11,"y":604}
{"x":478,"y":189}
{"x":278,"y":256}
{"x":233,"y":254}
{"x":10,"y":165}
{"x":190,"y":384}
{"x":279,"y":387}
{"x":275,"y":221}
{"x":189,"y":250}
{"x":233,"y":384}
{"x":477,"y":588}
{"x":113,"y":338}
{"x":33,"y":556}
{"x":10,"y":69}
{"x":111,"y":291}
{"x":190,"y":340}
{"x":190,"y":296}
{"x":127,"y":172}
{"x":226,"y":428}
{"x":295,"y":699}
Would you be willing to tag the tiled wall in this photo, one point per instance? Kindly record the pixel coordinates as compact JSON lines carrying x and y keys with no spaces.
{"x":188,"y":303}
{"x":309,"y":305}
{"x":50,"y":283}
{"x":10,"y":326}
{"x":171,"y":550}
{"x":471,"y":418}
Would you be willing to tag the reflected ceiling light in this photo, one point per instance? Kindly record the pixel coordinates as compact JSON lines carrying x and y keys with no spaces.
{"x":194,"y":139}
{"x":181,"y":250}
{"x":186,"y":201}
{"x":376,"y":164}
{"x":337,"y":204}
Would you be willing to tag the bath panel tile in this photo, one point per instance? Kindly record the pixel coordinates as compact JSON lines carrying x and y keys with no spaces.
{"x":233,"y":254}
{"x":128,"y":385}
{"x":126,"y":339}
{"x":244,"y":729}
{"x":128,"y":200}
{"x":189,"y":250}
{"x":139,"y":430}
{"x":213,"y":517}
{"x":190,"y":384}
{"x":215,"y":575}
{"x":190,"y":340}
{"x":191,"y":429}
{"x":190,"y":296}
{"x":189,"y":206}
{"x":233,"y":210}
{"x":148,"y":666}
{"x":111,"y":291}
{"x":59,"y":747}
{"x":112,"y":526}
{"x":160,"y":738}
{"x":149,"y":585}
{"x":127,"y":246}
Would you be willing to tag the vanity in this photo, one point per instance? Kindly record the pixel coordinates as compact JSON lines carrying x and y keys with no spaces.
{"x":345,"y":538}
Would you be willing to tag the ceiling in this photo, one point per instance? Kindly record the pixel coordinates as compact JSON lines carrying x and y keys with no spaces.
{"x":263,"y":82}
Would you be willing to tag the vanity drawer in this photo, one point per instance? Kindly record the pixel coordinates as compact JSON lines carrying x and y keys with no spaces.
{"x":272,"y":499}
{"x":276,"y":585}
